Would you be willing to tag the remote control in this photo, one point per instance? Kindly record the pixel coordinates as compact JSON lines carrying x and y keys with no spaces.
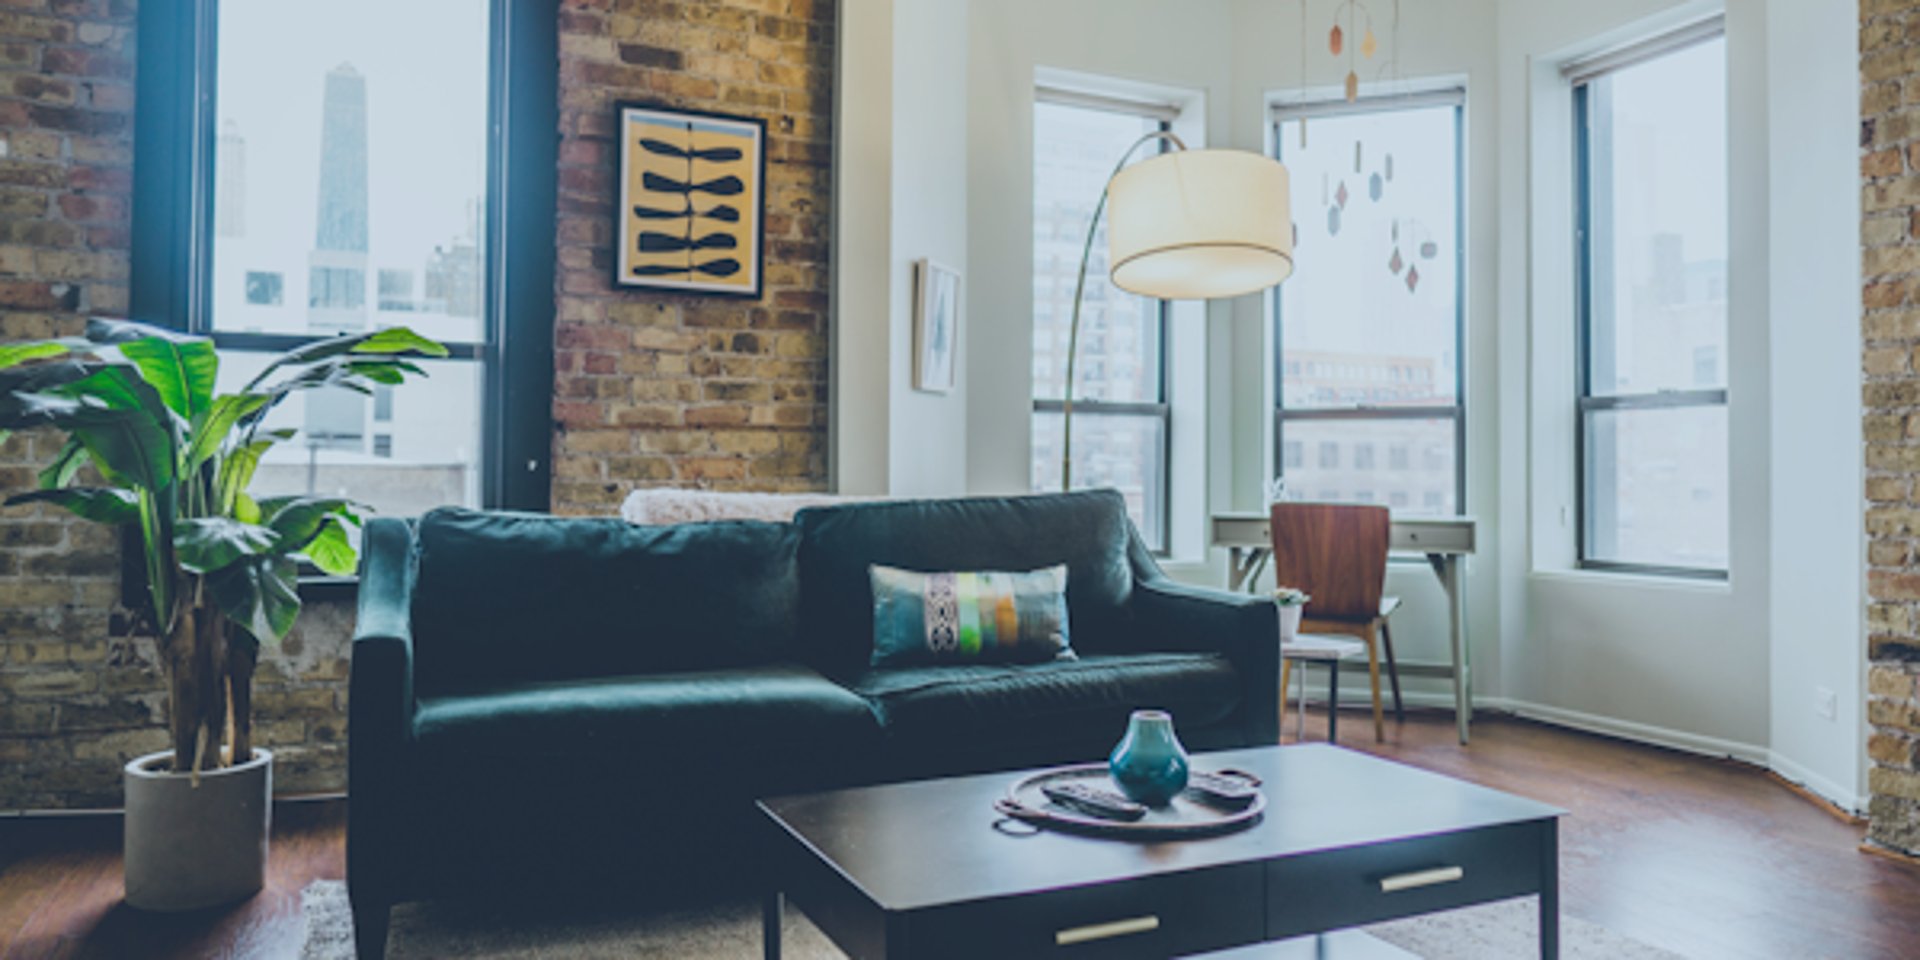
{"x":1215,"y":790}
{"x":1104,"y":804}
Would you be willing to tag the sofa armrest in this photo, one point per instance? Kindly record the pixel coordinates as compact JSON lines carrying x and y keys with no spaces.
{"x":1169,"y":615}
{"x":380,"y":709}
{"x":1245,"y":629}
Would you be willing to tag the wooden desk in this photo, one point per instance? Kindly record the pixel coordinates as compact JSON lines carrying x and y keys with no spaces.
{"x":1442,"y":540}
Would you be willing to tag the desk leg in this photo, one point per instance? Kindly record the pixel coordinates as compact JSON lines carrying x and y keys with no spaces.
{"x":1550,"y":892}
{"x":770,"y":915}
{"x":1446,"y":566}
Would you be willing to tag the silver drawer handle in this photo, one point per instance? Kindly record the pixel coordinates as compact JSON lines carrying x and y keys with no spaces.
{"x":1420,"y":878}
{"x":1105,"y":931}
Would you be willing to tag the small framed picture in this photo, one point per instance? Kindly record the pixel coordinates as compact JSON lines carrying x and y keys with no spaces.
{"x":692,"y":196}
{"x":936,"y":324}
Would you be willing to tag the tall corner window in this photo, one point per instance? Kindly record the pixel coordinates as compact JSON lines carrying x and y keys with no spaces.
{"x":346,"y":165}
{"x":1650,"y":124}
{"x":1369,"y":327}
{"x":1121,"y":414}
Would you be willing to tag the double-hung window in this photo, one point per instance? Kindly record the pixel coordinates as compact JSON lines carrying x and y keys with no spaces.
{"x":1369,"y":328}
{"x":1650,"y":124}
{"x":1121,"y":414}
{"x":308,"y":170}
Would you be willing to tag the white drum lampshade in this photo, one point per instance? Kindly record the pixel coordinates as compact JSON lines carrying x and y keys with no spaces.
{"x":1200,"y":224}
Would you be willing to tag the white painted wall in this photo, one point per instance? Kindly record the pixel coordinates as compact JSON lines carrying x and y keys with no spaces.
{"x":900,"y":194}
{"x":1816,"y":514}
{"x":859,"y":332}
{"x":927,"y":451}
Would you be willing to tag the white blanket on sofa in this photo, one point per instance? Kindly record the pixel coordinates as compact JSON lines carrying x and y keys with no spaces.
{"x":666,"y":505}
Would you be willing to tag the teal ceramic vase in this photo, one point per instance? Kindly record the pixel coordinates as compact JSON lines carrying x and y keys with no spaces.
{"x":1149,"y":764}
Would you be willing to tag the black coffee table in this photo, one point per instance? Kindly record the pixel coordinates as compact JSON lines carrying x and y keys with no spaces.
{"x":919,"y":870}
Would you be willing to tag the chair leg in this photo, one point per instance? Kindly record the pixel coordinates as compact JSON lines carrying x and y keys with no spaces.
{"x":1393,"y":671}
{"x":1373,"y":673}
{"x":1286,"y":673}
{"x":1333,"y":700}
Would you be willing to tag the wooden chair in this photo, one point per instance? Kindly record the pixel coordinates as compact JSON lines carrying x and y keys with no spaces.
{"x":1337,"y":553}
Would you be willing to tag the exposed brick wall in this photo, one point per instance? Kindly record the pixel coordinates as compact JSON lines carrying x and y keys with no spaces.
{"x":1890,"y":237}
{"x":650,"y":389}
{"x":693,"y":391}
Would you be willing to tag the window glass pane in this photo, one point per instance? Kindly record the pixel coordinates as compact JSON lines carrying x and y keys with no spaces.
{"x":1656,"y":486}
{"x":426,"y":455}
{"x":1371,"y":313}
{"x":1657,"y":211}
{"x":1349,"y":468}
{"x":349,"y":162}
{"x":1122,"y":451}
{"x":1074,"y":150}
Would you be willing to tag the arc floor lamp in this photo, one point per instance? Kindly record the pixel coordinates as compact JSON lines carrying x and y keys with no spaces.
{"x":1185,"y":225}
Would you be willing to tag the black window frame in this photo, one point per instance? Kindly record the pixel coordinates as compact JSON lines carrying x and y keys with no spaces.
{"x":1455,"y":97}
{"x":1589,"y":404}
{"x":172,"y":235}
{"x":1162,"y":408}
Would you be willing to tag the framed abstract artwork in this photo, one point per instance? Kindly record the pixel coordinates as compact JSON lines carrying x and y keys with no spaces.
{"x":936,"y":325}
{"x":692,"y":196}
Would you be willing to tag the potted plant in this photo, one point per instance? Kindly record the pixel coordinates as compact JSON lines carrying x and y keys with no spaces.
{"x":175,"y":462}
{"x":1292,"y":604}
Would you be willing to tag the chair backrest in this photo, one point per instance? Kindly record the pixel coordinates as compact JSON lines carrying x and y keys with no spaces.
{"x":1336,"y":552}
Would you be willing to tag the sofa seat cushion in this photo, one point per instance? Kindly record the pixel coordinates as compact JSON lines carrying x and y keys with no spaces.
{"x":779,"y":727}
{"x":1084,"y":701}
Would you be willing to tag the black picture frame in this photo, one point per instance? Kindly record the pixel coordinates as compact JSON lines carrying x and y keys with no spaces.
{"x":626,"y":238}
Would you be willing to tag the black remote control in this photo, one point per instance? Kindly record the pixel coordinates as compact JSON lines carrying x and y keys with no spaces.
{"x":1104,"y":804}
{"x":1216,"y":790}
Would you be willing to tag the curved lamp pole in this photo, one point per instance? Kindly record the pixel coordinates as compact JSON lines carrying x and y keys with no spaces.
{"x":1080,"y":289}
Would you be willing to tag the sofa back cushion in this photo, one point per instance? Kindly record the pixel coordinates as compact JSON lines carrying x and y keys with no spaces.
{"x":525,"y":597}
{"x":1088,"y":531}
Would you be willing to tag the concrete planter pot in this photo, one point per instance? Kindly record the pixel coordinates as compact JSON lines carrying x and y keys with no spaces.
{"x":189,"y":846}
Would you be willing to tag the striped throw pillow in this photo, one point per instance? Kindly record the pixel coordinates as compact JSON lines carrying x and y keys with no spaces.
{"x":981,"y":617}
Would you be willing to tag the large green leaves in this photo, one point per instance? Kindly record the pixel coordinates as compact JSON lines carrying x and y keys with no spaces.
{"x":394,"y":341}
{"x":212,"y":429}
{"x":12,"y":354}
{"x":260,"y":595}
{"x":207,"y":544}
{"x":98,"y":504}
{"x":182,"y":372}
{"x":297,"y":520}
{"x":124,"y":425}
{"x":331,"y":551}
{"x":72,"y":456}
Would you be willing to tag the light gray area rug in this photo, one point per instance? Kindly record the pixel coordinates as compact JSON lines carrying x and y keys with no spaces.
{"x":732,"y":930}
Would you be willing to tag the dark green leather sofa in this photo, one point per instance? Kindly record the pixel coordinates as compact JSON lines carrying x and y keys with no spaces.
{"x":540,"y":702}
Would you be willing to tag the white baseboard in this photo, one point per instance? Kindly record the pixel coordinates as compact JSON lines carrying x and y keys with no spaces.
{"x":1847,"y":800}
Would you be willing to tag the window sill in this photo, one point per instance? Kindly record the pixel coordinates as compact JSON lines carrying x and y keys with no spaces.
{"x":1632,"y":579}
{"x":329,"y":589}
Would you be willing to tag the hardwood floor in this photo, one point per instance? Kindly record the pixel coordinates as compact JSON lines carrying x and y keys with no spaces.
{"x":1707,"y":858}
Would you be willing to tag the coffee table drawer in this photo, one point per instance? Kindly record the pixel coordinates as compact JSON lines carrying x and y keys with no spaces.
{"x":1356,"y":885}
{"x":1161,"y":916}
